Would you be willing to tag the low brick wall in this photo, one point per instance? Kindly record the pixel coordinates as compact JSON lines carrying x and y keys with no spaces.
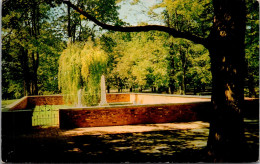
{"x":135,"y":98}
{"x":46,"y":100}
{"x":31,"y":101}
{"x":191,"y":109}
{"x":129,"y":115}
{"x":118,"y":97}
{"x":149,"y":98}
{"x":144,"y":98}
{"x":18,"y":105}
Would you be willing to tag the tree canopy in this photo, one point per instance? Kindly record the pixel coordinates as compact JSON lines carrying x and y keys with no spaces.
{"x":80,"y":67}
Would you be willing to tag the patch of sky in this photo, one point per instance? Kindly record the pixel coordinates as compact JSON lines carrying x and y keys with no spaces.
{"x":137,"y":13}
{"x":129,"y":12}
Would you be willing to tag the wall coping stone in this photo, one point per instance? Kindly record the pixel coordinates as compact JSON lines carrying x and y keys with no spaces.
{"x":167,"y":95}
{"x":131,"y":106}
{"x":10,"y":106}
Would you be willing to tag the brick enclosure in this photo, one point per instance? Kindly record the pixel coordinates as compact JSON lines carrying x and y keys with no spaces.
{"x":127,"y":115}
{"x":146,"y":109}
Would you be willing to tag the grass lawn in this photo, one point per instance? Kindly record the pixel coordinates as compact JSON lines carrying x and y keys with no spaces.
{"x":7,"y":102}
{"x":47,"y":115}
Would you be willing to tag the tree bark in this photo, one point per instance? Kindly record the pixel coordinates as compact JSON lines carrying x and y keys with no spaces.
{"x":69,"y":29}
{"x":35,"y":74}
{"x":26,"y":72}
{"x":226,"y":46}
{"x":108,"y":89}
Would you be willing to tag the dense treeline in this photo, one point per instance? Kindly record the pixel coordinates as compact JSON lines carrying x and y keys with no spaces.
{"x":37,"y":34}
{"x":157,"y":62}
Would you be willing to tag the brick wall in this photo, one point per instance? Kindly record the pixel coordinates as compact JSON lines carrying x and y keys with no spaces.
{"x":127,"y":115}
{"x":46,"y":100}
{"x":118,"y":97}
{"x":30,"y":102}
{"x":20,"y":104}
{"x":143,"y":98}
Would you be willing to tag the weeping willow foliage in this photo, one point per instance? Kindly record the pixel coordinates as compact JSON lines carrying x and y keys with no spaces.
{"x":80,"y":67}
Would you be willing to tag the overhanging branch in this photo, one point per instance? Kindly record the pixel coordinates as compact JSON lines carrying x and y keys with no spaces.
{"x":169,"y":30}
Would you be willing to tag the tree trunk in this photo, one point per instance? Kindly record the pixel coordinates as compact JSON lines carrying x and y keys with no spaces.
{"x":35,"y":74}
{"x":26,"y":72}
{"x":69,"y":29}
{"x":108,"y":89}
{"x":226,"y":47}
{"x":251,"y":85}
{"x":194,"y":89}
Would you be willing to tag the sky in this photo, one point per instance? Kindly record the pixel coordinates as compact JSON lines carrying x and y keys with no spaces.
{"x":134,"y":14}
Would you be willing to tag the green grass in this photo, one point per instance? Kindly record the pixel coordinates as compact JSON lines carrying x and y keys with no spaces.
{"x":46,"y":115}
{"x":7,"y":102}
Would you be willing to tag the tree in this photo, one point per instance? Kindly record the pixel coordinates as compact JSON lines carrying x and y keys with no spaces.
{"x":198,"y":73}
{"x":80,"y":68}
{"x":227,"y":52}
{"x":27,"y":37}
{"x":252,"y":48}
{"x":134,"y":64}
{"x":79,"y":28}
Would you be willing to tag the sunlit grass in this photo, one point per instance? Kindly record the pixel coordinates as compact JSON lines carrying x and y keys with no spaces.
{"x":4,"y":103}
{"x":46,"y":115}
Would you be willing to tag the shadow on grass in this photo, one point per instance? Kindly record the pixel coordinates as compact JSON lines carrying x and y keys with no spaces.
{"x":159,"y":146}
{"x":156,"y":146}
{"x":162,"y":146}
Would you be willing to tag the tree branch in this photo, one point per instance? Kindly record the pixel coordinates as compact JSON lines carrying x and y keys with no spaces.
{"x":169,"y":30}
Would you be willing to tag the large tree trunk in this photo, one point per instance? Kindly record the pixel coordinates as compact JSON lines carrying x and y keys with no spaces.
{"x":26,"y":72}
{"x":226,"y":46}
{"x":35,"y":74}
{"x":69,"y":29}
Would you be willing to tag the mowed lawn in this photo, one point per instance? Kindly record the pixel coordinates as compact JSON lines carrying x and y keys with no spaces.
{"x":46,"y":115}
{"x":4,"y":103}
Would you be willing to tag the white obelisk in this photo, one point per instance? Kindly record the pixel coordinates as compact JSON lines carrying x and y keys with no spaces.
{"x":103,"y":92}
{"x":79,"y":98}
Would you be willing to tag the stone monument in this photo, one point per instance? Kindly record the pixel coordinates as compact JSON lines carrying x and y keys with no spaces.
{"x":103,"y":101}
{"x":79,"y":98}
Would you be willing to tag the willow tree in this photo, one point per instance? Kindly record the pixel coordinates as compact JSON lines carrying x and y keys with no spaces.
{"x":225,"y":43}
{"x":80,"y":68}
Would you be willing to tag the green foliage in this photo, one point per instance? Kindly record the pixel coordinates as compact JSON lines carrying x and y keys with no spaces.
{"x":34,"y":35}
{"x":80,"y":67}
{"x":252,"y":48}
{"x":78,"y":27}
{"x":186,"y":15}
{"x":190,"y":66}
{"x":155,"y":60}
{"x":30,"y":48}
{"x":140,"y":62}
